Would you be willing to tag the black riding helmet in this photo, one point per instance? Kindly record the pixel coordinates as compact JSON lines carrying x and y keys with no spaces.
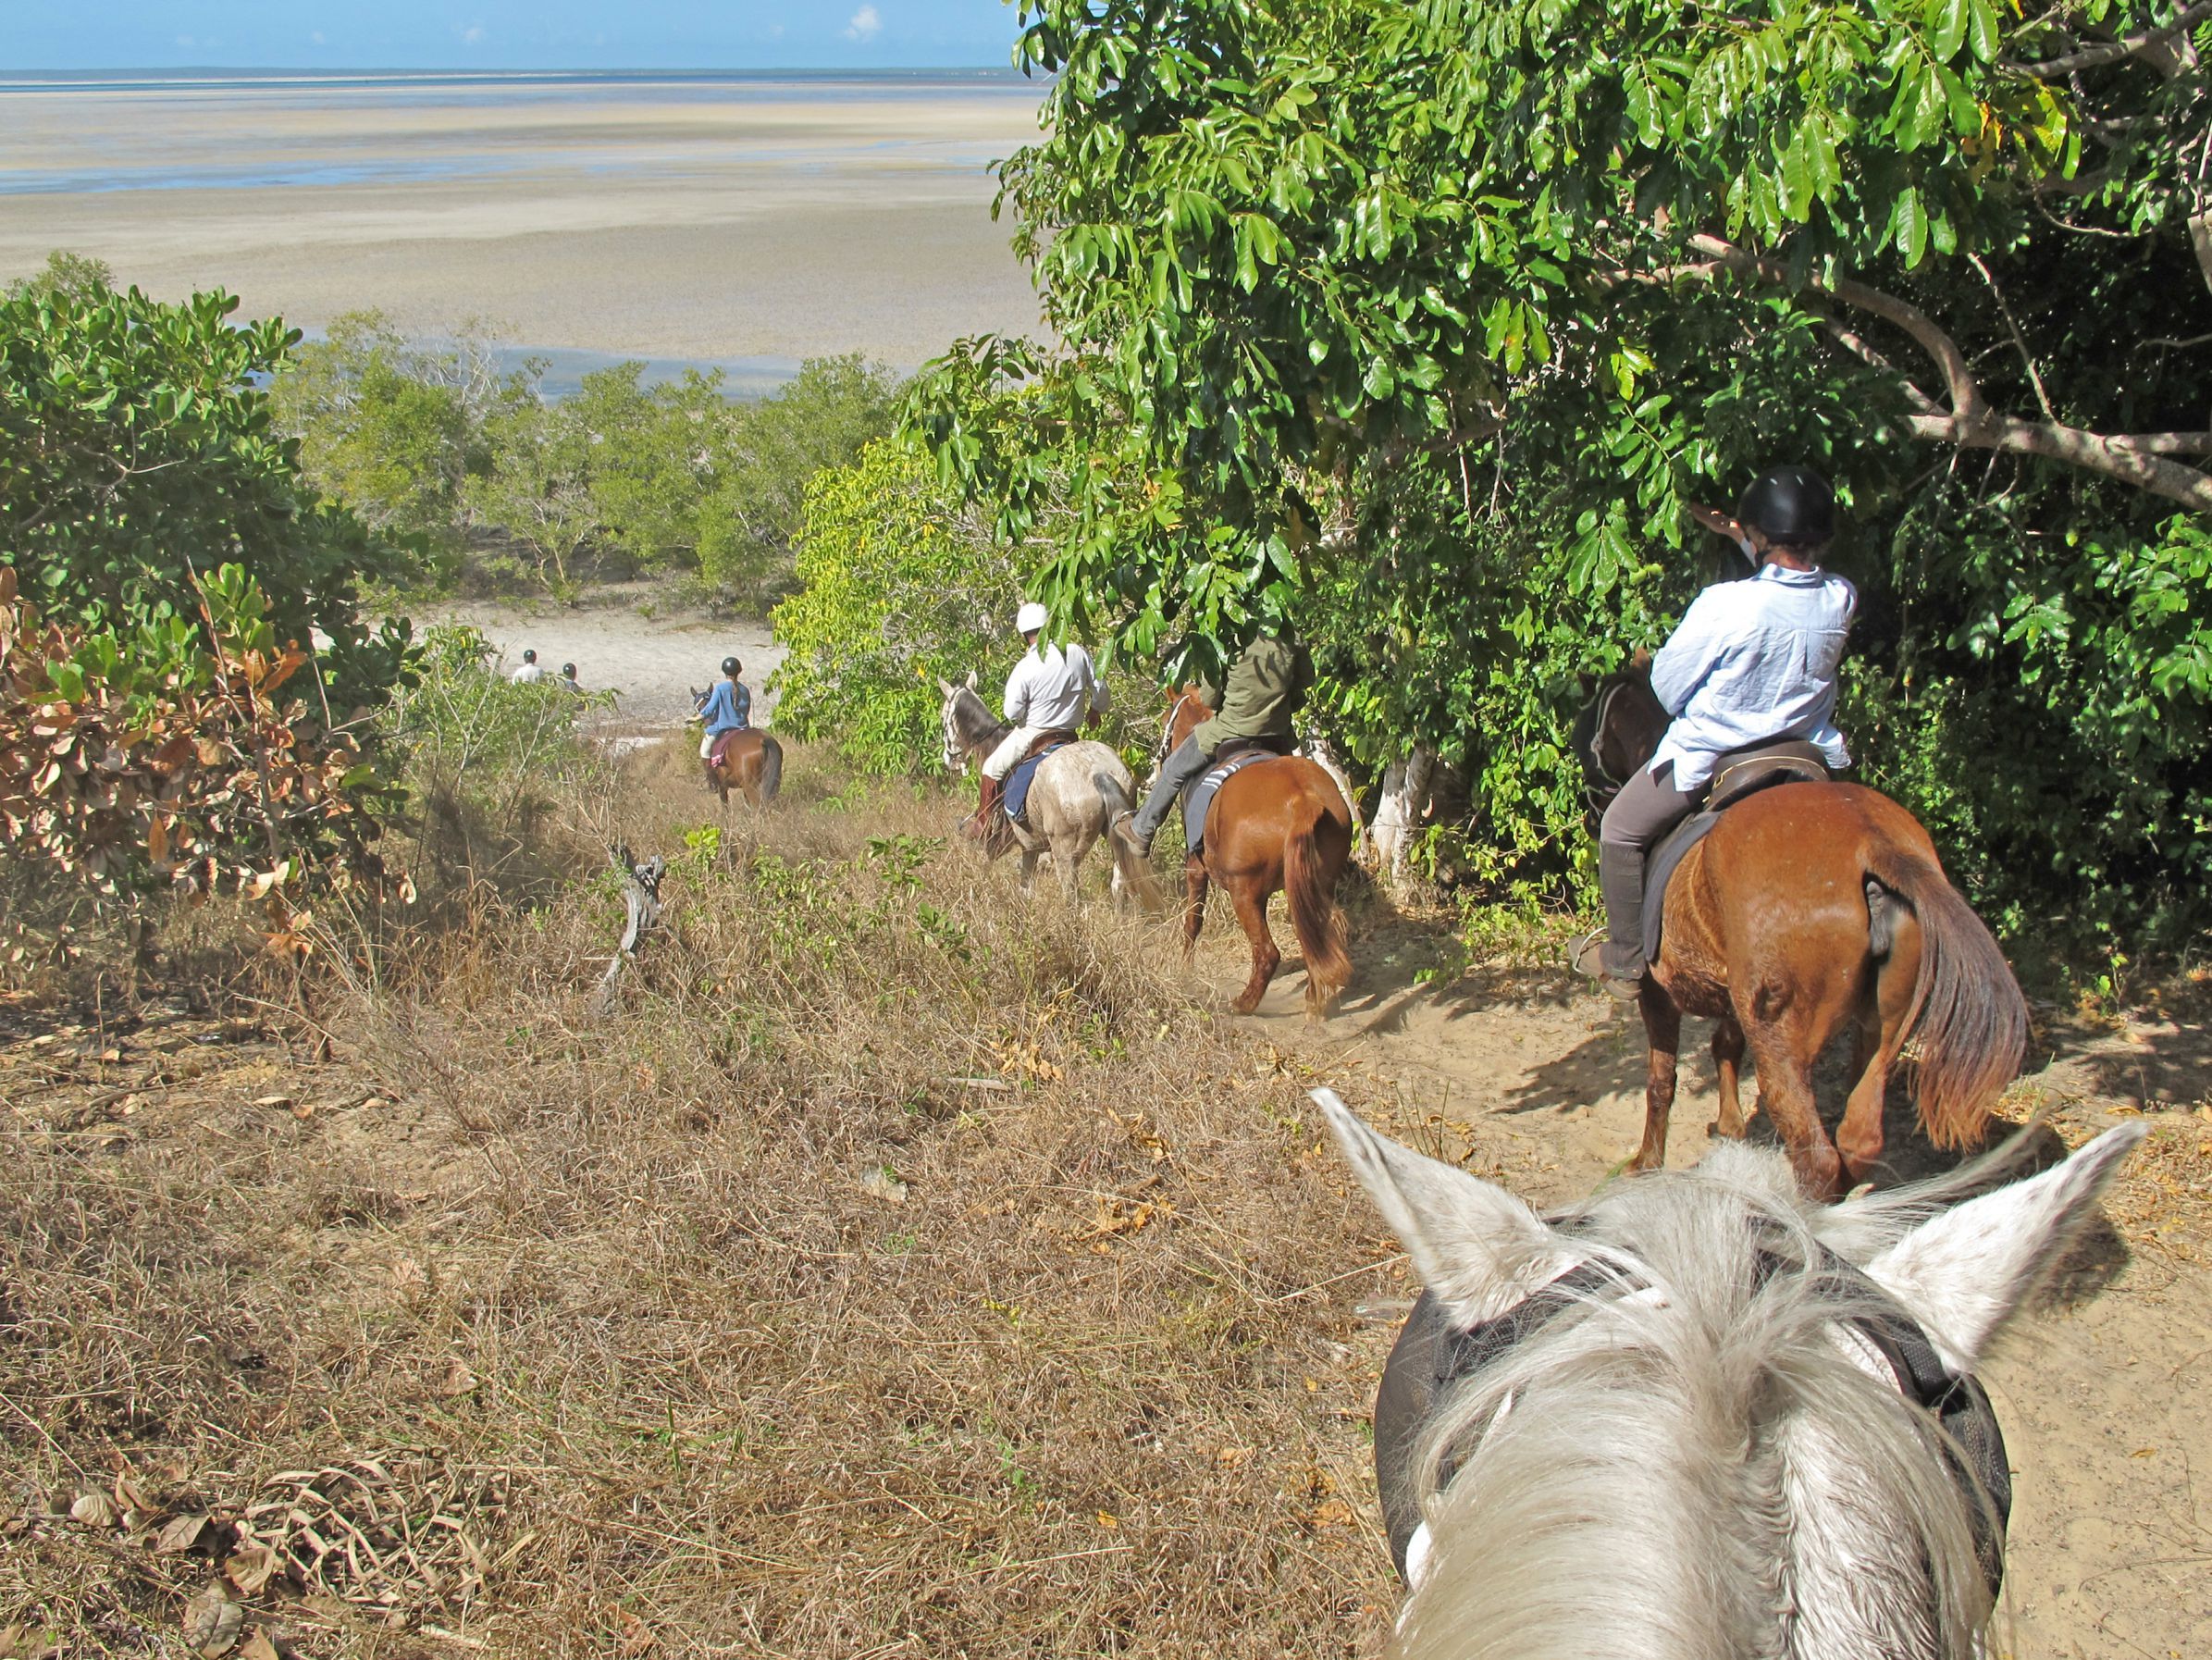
{"x":730,"y":666}
{"x":1793,"y":505}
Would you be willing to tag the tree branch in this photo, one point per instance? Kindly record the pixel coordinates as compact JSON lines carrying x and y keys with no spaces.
{"x":2138,"y":459}
{"x":2112,"y":51}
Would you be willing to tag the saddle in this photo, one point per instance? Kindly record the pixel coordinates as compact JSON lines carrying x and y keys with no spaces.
{"x":1231,"y":757}
{"x":1742,"y":773}
{"x":1015,"y":795}
{"x":722,"y":746}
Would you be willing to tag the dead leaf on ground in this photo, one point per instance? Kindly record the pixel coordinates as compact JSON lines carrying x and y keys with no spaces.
{"x":180,"y":1534}
{"x":94,"y":1509}
{"x":252,"y":1568}
{"x":636,"y":1636}
{"x":211,"y":1622}
{"x":1334,"y":1514}
{"x":456,"y":1379}
{"x":258,"y":1647}
{"x":28,"y":1642}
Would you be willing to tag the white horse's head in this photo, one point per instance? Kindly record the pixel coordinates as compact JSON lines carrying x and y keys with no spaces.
{"x":1703,"y":1417}
{"x":959,"y":701}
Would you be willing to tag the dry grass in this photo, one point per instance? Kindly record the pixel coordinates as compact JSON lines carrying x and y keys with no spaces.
{"x":903,"y":1270}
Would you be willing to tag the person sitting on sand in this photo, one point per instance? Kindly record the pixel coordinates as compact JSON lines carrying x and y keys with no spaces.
{"x":726,"y":706}
{"x":532,"y":671}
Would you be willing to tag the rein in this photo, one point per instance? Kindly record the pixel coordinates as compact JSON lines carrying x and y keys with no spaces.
{"x":1161,"y":749}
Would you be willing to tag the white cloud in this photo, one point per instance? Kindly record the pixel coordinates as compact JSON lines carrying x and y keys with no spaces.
{"x":866,"y":25}
{"x":472,"y":35}
{"x":318,"y":38}
{"x":186,"y":41}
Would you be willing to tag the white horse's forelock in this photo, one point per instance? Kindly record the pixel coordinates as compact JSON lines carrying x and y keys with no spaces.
{"x":1702,"y":1472}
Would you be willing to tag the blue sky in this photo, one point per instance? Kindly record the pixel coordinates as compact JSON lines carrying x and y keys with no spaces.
{"x":504,"y":34}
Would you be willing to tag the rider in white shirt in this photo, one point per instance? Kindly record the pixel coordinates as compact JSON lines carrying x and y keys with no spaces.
{"x":1053,"y":689}
{"x":532,"y":671}
{"x":1753,"y":661}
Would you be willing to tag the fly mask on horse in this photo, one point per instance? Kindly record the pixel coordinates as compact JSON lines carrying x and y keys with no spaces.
{"x":1707,"y":1445}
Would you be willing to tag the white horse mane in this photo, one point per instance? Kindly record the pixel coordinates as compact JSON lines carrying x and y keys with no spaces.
{"x":1700,"y":1457}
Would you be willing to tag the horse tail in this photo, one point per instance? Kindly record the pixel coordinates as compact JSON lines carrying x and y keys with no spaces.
{"x":771,"y":768}
{"x":1137,"y":874}
{"x":1309,"y":887}
{"x":1968,"y":1019}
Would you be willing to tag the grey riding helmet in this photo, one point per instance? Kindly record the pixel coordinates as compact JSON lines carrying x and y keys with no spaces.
{"x":1792,"y":504}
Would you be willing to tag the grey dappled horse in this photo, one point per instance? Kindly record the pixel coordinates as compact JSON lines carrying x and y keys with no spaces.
{"x":1699,"y":1416}
{"x":1074,"y":797}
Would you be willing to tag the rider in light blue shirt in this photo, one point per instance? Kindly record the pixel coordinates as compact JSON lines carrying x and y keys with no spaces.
{"x":726,"y":706}
{"x":1752,"y":663}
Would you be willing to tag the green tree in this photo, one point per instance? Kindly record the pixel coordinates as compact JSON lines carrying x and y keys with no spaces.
{"x":76,"y":274}
{"x":1424,"y":321}
{"x":898,"y":586}
{"x":138,"y":453}
{"x":769,"y":454}
{"x":397,"y":427}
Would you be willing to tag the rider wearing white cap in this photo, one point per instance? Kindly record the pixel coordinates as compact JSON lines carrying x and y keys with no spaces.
{"x":1053,"y":689}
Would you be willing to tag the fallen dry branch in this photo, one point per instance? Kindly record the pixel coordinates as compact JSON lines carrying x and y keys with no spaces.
{"x":641,"y":896}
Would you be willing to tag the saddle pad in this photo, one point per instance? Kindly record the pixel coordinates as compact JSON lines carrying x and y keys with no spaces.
{"x":1200,"y":801}
{"x":721,"y":744}
{"x":1021,"y":777}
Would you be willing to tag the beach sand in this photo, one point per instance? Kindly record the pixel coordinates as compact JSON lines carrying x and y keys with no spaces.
{"x":668,"y":222}
{"x":651,"y":662}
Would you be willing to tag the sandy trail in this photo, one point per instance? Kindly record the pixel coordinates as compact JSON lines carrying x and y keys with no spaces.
{"x":1540,"y":1082}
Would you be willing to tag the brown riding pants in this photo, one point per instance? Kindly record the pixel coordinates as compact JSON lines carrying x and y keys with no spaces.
{"x":1647,"y":807}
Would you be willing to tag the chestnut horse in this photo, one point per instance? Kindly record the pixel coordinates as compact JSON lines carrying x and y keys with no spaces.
{"x":753,"y":766}
{"x":1809,"y":905}
{"x":1279,"y":824}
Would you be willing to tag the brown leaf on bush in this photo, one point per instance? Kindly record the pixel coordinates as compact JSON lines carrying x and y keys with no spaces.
{"x":180,"y":1534}
{"x":211,"y":1622}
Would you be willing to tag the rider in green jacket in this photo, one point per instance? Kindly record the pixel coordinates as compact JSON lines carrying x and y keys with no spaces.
{"x":1265,"y":687}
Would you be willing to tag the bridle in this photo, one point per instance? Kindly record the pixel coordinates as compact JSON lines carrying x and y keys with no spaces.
{"x":1160,"y":750}
{"x":1971,"y":1443}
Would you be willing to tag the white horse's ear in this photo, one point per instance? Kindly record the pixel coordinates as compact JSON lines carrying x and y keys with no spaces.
{"x":970,"y":679}
{"x":1962,"y":1275}
{"x":1477,"y":1247}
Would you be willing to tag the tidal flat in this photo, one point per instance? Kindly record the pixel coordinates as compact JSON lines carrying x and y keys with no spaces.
{"x":697,"y":219}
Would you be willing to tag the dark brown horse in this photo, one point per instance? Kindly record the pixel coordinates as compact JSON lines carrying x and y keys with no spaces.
{"x":752,"y":764}
{"x":1808,"y":906}
{"x":1274,"y":826}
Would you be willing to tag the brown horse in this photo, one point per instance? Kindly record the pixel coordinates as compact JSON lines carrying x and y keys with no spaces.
{"x":752,"y":764}
{"x":1279,"y":825}
{"x":1809,"y":905}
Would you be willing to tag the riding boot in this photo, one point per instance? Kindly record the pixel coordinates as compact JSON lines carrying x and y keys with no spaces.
{"x":1621,"y":880}
{"x":713,"y":777}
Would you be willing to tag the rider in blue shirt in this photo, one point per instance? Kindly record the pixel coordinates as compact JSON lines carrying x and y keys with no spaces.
{"x":1753,"y":661}
{"x":726,"y":706}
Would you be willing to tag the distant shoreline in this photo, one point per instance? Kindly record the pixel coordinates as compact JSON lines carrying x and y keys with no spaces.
{"x":215,"y":78}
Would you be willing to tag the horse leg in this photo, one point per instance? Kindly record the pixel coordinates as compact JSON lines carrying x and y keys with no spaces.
{"x":1195,"y":888}
{"x":1028,"y":866}
{"x":1662,"y":1039}
{"x":1727,"y":1059}
{"x":1068,"y":853}
{"x":1878,"y":1034}
{"x":1251,"y":910}
{"x":1782,"y":1050}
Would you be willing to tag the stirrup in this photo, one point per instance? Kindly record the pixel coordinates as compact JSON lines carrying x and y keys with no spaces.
{"x":1586,"y":955}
